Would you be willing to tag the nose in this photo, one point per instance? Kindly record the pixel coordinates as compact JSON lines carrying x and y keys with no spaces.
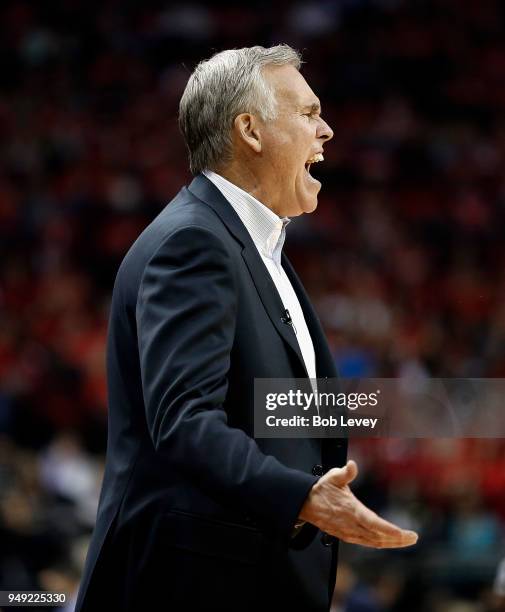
{"x":324,"y":131}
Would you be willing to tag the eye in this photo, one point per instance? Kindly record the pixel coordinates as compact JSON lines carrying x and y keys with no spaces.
{"x":312,"y":115}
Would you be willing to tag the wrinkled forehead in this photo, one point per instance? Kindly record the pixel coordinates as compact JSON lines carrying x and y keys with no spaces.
{"x":291,"y":89}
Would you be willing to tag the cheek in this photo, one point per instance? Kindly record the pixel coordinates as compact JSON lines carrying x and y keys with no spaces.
{"x":287,"y":161}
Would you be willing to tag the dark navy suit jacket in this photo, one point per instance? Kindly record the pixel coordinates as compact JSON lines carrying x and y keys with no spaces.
{"x":195,"y":514}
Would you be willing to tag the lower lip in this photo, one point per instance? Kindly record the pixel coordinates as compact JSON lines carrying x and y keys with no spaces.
{"x":311,"y":179}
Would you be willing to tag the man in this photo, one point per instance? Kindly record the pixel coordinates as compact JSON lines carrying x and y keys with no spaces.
{"x":194,"y":513}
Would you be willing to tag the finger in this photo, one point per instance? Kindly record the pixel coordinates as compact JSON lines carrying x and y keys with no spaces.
{"x":377,"y":542}
{"x":374,"y":538}
{"x":396,"y":537}
{"x":380,"y":540}
{"x":345,"y":475}
{"x":373,"y":522}
{"x":403,"y":538}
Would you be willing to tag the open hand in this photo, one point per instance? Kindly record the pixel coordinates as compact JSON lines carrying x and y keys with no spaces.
{"x":332,"y":506}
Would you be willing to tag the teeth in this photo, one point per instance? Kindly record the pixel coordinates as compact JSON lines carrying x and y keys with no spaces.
{"x":318,"y":157}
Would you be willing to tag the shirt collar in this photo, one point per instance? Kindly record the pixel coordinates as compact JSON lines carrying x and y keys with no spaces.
{"x":267,"y":229}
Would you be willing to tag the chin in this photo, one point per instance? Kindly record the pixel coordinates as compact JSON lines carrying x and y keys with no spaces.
{"x":306,"y":199}
{"x":304,"y":208}
{"x":311,"y":207}
{"x":309,"y":204}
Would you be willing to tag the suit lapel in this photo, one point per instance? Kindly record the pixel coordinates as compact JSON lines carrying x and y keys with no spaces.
{"x":333,"y":451}
{"x":208,"y":193}
{"x":325,"y":363}
{"x":270,"y":298}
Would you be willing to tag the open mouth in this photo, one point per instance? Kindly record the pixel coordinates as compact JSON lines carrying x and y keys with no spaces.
{"x":318,"y":157}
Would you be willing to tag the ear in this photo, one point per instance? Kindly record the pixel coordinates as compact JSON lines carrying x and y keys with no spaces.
{"x":247,"y":130}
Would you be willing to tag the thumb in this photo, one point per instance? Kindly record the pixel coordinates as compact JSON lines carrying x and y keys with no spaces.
{"x":345,"y":475}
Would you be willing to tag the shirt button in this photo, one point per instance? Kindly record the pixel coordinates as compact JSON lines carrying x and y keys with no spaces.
{"x":317,"y":470}
{"x":327,"y":539}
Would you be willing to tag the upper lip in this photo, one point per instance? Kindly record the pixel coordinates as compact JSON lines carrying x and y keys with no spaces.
{"x":314,"y":154}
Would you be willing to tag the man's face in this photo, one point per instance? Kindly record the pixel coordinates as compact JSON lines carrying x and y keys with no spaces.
{"x":290,"y":141}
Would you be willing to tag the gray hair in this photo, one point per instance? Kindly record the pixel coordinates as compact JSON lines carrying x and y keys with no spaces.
{"x":220,"y":88}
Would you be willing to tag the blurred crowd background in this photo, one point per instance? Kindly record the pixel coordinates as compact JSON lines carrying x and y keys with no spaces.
{"x":404,"y":258}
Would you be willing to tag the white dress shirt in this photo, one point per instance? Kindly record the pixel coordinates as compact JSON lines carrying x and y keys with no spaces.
{"x":268,"y":232}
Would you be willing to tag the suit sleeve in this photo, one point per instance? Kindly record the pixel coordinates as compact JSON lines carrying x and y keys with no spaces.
{"x":186,"y":314}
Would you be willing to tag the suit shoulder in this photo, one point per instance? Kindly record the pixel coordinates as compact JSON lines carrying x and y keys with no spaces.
{"x":184,"y":211}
